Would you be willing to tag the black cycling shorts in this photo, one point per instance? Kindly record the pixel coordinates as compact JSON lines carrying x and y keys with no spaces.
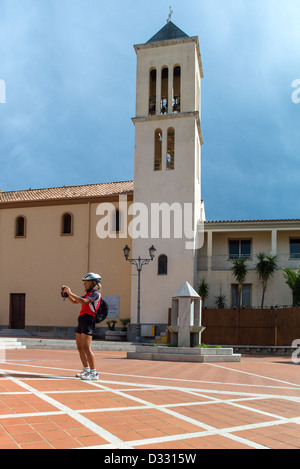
{"x":86,"y":324}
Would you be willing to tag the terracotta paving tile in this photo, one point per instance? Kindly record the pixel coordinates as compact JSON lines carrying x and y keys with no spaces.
{"x":167,"y":396}
{"x":36,"y":445}
{"x":8,"y":445}
{"x":101,"y":400}
{"x":280,"y":407}
{"x":45,"y":427}
{"x":53,"y":435}
{"x":9,"y":386}
{"x":168,"y":417}
{"x":160,"y":425}
{"x":92,"y":440}
{"x":219,"y":416}
{"x":49,"y":385}
{"x":63,"y":421}
{"x":66,"y":443}
{"x":152,"y":433}
{"x":13,"y":429}
{"x":175,"y":445}
{"x":28,"y":437}
{"x":275,"y":436}
{"x":285,"y":446}
{"x":23,"y":404}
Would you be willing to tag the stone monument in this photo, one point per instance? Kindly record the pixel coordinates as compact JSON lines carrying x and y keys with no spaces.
{"x":185,"y":332}
{"x":185,"y":325}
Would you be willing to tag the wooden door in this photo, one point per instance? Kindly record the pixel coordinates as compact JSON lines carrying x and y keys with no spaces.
{"x":17,"y":311}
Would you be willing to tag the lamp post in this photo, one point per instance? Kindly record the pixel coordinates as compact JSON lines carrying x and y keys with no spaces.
{"x":139,"y":265}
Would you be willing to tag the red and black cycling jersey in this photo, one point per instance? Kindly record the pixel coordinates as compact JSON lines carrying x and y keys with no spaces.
{"x":89,"y":308}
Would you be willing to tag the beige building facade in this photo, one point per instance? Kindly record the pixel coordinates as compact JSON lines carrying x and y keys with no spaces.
{"x":226,"y":240}
{"x":51,"y":237}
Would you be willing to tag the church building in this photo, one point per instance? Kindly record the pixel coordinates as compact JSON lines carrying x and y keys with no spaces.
{"x":50,"y":237}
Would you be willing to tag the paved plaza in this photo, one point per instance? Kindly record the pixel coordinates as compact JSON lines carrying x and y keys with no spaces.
{"x":254,"y":404}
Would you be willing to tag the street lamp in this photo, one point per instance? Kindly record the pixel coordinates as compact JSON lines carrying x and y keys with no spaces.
{"x":139,"y":265}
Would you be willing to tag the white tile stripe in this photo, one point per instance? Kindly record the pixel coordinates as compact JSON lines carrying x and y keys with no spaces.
{"x":248,"y":385}
{"x":75,"y":415}
{"x":210,"y":430}
{"x":2,"y":355}
{"x":254,"y":374}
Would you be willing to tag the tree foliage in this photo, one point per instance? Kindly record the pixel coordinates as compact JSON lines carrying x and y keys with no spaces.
{"x":293,"y":281}
{"x":265,"y":267}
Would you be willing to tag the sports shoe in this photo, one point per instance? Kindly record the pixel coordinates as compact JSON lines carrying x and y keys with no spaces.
{"x":90,"y":376}
{"x":81,"y":373}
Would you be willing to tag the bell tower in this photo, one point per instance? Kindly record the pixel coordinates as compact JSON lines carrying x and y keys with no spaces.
{"x":167,"y":168}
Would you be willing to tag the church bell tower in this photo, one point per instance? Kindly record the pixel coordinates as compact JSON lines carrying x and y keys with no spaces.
{"x":167,"y":169}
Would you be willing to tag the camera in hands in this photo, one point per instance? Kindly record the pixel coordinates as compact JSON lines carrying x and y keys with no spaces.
{"x":63,"y":293}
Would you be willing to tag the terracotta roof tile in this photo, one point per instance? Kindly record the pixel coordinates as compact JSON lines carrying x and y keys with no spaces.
{"x":253,"y":221}
{"x":67,"y":192}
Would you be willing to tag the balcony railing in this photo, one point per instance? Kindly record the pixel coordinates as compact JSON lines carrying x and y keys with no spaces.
{"x":164,"y":105}
{"x":223,"y":262}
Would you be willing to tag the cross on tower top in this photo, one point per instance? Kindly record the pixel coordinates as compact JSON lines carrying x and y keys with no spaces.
{"x":170,"y":15}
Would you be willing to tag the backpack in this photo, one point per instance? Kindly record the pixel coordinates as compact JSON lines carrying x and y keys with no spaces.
{"x":101,"y":312}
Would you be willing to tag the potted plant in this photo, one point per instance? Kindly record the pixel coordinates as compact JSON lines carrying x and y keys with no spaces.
{"x":220,"y":301}
{"x":124,"y":322}
{"x":116,"y":335}
{"x":111,"y":324}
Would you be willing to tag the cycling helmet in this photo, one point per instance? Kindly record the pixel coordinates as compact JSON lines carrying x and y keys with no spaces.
{"x":92,"y":277}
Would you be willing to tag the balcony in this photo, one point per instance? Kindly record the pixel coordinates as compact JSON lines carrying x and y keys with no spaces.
{"x":223,"y":262}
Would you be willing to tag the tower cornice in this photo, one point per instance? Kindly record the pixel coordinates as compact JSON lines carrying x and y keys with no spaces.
{"x":164,"y":117}
{"x":173,"y":42}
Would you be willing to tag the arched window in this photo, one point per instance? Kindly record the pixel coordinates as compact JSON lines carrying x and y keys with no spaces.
{"x":67,"y":224}
{"x":176,"y":89}
{"x":164,"y":91}
{"x":152,"y":93}
{"x":20,"y":230}
{"x":158,"y":150}
{"x":162,"y":265}
{"x":171,"y":148}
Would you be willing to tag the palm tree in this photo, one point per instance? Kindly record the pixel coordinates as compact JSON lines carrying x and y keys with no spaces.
{"x":293,"y":281}
{"x":202,"y":290}
{"x":239,"y":270}
{"x":265,"y":268}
